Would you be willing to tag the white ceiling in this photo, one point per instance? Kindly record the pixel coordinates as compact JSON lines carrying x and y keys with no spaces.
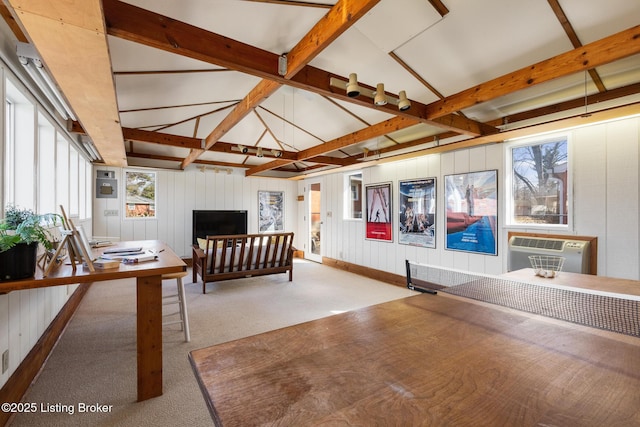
{"x":475,"y":42}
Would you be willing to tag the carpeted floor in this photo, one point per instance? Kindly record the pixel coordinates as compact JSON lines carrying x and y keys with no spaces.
{"x":90,"y":378}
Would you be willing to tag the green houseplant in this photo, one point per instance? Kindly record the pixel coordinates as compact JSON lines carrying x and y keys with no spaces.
{"x":21,"y":231}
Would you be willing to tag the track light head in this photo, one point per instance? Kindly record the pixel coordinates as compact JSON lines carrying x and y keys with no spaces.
{"x":380,"y":98}
{"x":259,"y":152}
{"x":403,"y":102}
{"x":243,"y":149}
{"x":276,"y":153}
{"x":353,"y":90}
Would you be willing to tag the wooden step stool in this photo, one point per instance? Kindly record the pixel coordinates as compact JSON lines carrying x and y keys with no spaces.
{"x":178,"y":298}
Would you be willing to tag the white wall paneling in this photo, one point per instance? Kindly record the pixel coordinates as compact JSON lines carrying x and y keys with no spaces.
{"x":604,"y":160}
{"x":178,"y":193}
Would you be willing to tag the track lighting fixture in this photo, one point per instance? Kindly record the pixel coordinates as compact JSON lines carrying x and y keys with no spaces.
{"x":259,"y":152}
{"x":276,"y":153}
{"x":352,"y":87}
{"x":380,"y":98}
{"x":353,"y":90}
{"x":243,"y":149}
{"x":403,"y":103}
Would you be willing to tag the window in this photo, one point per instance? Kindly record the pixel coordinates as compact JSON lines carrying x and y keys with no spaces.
{"x":539,"y":182}
{"x":141,"y":194}
{"x":353,"y":196}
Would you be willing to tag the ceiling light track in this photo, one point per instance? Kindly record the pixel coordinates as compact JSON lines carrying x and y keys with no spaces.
{"x":379,"y":96}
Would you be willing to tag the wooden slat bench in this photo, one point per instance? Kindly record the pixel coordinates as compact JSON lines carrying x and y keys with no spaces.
{"x":242,"y":255}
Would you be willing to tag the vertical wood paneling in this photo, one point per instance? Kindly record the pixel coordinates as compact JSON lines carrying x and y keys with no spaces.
{"x":605,"y":161}
{"x":622,"y":199}
{"x":494,"y":159}
{"x":4,"y":331}
{"x":180,"y":192}
{"x":589,"y":155}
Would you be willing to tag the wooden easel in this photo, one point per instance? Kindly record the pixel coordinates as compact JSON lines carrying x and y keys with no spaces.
{"x":76,"y":250}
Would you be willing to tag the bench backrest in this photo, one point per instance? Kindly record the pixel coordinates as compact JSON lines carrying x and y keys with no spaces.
{"x":246,"y":252}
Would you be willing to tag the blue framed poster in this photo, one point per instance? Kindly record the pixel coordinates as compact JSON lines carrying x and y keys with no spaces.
{"x":418,"y":212}
{"x":472,"y":212}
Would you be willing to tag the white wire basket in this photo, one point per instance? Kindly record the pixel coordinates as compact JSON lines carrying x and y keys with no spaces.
{"x":546,"y":265}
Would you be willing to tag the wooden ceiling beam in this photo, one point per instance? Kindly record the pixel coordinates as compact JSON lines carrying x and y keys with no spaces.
{"x":151,"y":29}
{"x":374,"y":131}
{"x":575,"y":40}
{"x":335,"y":22}
{"x":603,"y":51}
{"x":179,"y":141}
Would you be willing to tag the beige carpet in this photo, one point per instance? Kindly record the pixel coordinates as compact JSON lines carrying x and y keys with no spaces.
{"x":95,"y":359}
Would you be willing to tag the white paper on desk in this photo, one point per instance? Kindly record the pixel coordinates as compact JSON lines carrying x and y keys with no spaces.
{"x":138,"y":258}
{"x":121,"y":255}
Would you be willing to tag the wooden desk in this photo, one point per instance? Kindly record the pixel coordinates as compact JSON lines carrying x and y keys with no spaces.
{"x":149,"y":302}
{"x":424,"y":360}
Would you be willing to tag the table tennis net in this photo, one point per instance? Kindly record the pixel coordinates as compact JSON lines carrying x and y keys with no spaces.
{"x":612,"y":312}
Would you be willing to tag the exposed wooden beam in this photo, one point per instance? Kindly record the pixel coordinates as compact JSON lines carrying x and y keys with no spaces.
{"x":603,"y":51}
{"x":594,"y":99}
{"x":244,"y":107}
{"x":575,"y":40}
{"x":221,"y":147}
{"x":353,"y":138}
{"x":13,"y":25}
{"x":71,"y":39}
{"x":151,"y":29}
{"x":335,"y":22}
{"x":439,"y":6}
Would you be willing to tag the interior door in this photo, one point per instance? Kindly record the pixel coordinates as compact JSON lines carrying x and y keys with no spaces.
{"x":314,"y":244}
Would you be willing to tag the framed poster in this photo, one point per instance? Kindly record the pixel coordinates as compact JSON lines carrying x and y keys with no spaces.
{"x":472,"y":212}
{"x":379,"y":212}
{"x":418,"y":212}
{"x":270,"y":211}
{"x":140,"y":198}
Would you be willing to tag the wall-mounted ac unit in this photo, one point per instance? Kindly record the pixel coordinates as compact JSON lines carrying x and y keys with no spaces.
{"x":575,"y":252}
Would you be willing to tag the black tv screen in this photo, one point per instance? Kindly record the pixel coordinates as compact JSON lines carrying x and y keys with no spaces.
{"x":210,"y":223}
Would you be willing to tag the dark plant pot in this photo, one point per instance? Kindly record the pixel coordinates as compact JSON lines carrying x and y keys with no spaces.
{"x":18,"y":262}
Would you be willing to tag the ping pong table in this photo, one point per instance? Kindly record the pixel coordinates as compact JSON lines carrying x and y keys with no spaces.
{"x":427,"y":360}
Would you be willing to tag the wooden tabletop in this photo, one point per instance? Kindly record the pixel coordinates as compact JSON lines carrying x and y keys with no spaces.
{"x":167,"y":262}
{"x":424,"y":360}
{"x":577,"y":280}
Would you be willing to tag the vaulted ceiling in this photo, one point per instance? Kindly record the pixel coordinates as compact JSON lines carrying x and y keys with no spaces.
{"x":189,"y":84}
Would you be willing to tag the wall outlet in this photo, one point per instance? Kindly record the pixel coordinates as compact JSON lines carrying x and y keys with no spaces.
{"x":111,"y":212}
{"x":5,"y":361}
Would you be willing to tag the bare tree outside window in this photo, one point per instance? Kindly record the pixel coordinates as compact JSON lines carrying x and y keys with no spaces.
{"x":540,"y":183}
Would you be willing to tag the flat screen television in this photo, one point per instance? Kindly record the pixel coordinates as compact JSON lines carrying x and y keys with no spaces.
{"x":209,"y":223}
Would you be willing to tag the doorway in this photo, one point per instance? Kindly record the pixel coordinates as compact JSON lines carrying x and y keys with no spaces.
{"x":315,"y":222}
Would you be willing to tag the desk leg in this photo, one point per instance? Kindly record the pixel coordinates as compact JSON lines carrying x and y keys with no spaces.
{"x":149,"y":330}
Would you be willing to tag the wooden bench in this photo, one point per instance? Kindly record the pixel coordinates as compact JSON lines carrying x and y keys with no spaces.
{"x":242,"y":255}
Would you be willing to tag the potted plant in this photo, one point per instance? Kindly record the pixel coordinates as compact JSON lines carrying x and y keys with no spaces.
{"x":21,"y":231}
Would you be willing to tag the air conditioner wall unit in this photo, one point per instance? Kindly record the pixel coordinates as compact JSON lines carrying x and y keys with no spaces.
{"x":576,"y":252}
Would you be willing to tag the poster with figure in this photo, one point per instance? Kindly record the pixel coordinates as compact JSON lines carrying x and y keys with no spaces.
{"x":270,"y":211}
{"x":379,"y":212}
{"x":472,"y":212}
{"x":418,"y":213}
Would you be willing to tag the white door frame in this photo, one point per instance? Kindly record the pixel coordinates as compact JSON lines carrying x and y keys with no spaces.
{"x":308,"y":253}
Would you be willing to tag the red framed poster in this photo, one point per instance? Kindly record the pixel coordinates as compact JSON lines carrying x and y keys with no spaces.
{"x":379,"y":219}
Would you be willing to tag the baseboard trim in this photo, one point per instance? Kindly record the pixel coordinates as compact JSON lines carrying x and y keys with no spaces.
{"x":20,"y":381}
{"x":383,"y":276}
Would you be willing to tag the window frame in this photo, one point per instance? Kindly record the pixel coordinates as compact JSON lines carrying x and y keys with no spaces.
{"x":541,"y":139}
{"x":348,"y":211}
